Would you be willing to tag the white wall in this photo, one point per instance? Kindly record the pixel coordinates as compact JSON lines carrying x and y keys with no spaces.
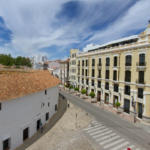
{"x":20,"y":113}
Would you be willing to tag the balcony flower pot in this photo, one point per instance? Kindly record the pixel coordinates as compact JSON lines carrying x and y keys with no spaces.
{"x":83,"y":92}
{"x":118,"y":105}
{"x":92,"y":94}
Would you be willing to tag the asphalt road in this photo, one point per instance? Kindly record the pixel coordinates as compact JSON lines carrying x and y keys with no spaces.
{"x":128,"y":131}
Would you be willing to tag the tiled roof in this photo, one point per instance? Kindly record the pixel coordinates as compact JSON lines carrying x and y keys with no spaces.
{"x":64,"y":61}
{"x":16,"y":85}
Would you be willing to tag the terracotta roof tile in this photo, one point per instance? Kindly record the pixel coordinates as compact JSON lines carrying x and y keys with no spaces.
{"x":15,"y":85}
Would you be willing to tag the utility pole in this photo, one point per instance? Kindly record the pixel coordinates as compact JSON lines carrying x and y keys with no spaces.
{"x":76,"y":121}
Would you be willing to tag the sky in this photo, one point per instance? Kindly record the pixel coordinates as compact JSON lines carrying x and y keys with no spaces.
{"x":52,"y":27}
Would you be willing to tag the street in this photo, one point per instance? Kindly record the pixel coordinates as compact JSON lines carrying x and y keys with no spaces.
{"x":108,"y":131}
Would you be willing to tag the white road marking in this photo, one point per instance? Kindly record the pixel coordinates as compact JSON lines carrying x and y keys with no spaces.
{"x":105,"y":137}
{"x":111,"y":144}
{"x":101,"y":134}
{"x":92,"y":127}
{"x":120,"y":145}
{"x":99,"y":131}
{"x":109,"y":140}
{"x":95,"y":129}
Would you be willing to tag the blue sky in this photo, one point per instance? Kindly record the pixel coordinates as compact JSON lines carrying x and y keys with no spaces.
{"x":53,"y":27}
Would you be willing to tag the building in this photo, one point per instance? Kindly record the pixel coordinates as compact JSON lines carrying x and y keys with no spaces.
{"x":56,"y":72}
{"x":27,"y":98}
{"x":73,"y":66}
{"x":37,"y":61}
{"x":64,"y":72}
{"x":118,"y":71}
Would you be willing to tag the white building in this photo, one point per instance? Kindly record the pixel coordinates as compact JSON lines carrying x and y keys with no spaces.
{"x":56,"y":72}
{"x":25,"y":104}
{"x":37,"y":61}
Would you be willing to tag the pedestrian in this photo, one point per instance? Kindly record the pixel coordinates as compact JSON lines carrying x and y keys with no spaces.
{"x":41,"y":127}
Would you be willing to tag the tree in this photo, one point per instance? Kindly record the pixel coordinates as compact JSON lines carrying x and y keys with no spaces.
{"x":83,"y":91}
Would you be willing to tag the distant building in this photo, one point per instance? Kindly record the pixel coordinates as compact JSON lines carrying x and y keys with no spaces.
{"x":64,"y":71}
{"x":26,"y":100}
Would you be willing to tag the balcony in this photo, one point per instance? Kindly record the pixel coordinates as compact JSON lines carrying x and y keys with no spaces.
{"x":140,"y":81}
{"x":127,"y":79}
{"x":78,"y":65}
{"x":141,"y":65}
{"x":99,"y":66}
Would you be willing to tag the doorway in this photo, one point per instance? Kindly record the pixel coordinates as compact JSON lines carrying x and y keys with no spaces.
{"x":56,"y":107}
{"x":98,"y":96}
{"x":38,"y":124}
{"x":127,"y":105}
{"x":106,"y":98}
{"x":140,"y":111}
{"x":86,"y":91}
{"x":25,"y":133}
{"x":6,"y":144}
{"x":115,"y":101}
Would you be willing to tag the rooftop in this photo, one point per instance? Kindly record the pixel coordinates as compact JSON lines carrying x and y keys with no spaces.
{"x":19,"y":84}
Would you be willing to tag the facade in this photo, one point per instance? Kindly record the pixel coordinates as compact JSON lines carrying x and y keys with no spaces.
{"x":25,"y":104}
{"x":64,"y":72}
{"x":118,"y":71}
{"x":56,"y":72}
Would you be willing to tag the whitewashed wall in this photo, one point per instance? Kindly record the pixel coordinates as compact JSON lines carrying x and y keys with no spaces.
{"x":20,"y":113}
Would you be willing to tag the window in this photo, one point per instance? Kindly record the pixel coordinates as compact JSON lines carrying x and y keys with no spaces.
{"x":86,"y":72}
{"x":107,"y":61}
{"x":0,"y":106}
{"x":141,"y":77}
{"x":127,"y":76}
{"x":99,"y":62}
{"x":99,"y":74}
{"x":142,"y":59}
{"x":115,"y":61}
{"x":45,"y":92}
{"x":99,"y":84}
{"x":115,"y":87}
{"x":82,"y":81}
{"x":78,"y":63}
{"x":47,"y":116}
{"x":83,"y":72}
{"x":86,"y":62}
{"x":92,"y":82}
{"x":48,"y":104}
{"x":115,"y":75}
{"x":93,"y":73}
{"x":107,"y":85}
{"x":128,"y":60}
{"x":78,"y":80}
{"x":107,"y":74}
{"x":127,"y":90}
{"x":82,"y":62}
{"x":93,"y":62}
{"x":87,"y":81}
{"x":140,"y":93}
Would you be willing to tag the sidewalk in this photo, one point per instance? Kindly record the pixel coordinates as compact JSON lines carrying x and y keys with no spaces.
{"x":54,"y":119}
{"x":66,"y":134}
{"x":112,"y":110}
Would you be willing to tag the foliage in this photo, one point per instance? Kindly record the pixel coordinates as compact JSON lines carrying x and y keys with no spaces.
{"x":92,"y":94}
{"x":66,"y":86}
{"x":83,"y":91}
{"x":76,"y":89}
{"x":118,"y":104}
{"x":8,"y":60}
{"x":71,"y":87}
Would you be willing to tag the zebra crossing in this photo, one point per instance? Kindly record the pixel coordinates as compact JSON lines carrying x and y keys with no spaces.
{"x":107,"y":138}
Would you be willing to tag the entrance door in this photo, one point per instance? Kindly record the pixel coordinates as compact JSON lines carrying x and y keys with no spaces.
{"x":115,"y":101}
{"x":126,"y":106}
{"x":106,"y":98}
{"x":25,"y":133}
{"x":56,"y":107}
{"x":86,"y":91}
{"x":140,"y":110}
{"x":38,"y":124}
{"x":98,"y":96}
{"x":6,"y":144}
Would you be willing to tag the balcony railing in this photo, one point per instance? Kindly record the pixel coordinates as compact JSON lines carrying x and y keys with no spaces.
{"x":106,"y":77}
{"x":98,"y":76}
{"x":107,"y":64}
{"x":127,"y":64}
{"x":93,"y":65}
{"x":78,"y":73}
{"x":127,"y":79}
{"x":141,"y":64}
{"x":99,"y":65}
{"x":140,"y":81}
{"x":115,"y":64}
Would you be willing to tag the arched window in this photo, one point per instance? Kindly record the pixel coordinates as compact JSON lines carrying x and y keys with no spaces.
{"x":107,"y":61}
{"x":115,"y":61}
{"x":128,"y":60}
{"x":142,"y":60}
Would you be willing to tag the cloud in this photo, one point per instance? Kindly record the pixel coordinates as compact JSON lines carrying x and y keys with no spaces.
{"x":51,"y":28}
